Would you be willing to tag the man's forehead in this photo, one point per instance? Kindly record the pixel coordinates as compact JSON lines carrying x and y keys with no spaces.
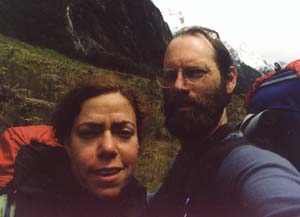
{"x":193,"y":40}
{"x":189,"y":50}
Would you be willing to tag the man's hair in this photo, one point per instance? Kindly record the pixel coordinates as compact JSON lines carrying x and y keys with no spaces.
{"x":222,"y":55}
{"x":88,"y":87}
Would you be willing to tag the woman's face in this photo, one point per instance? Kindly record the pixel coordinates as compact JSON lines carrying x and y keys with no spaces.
{"x":103,"y":144}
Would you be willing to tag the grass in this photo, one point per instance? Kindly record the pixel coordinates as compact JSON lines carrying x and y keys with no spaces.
{"x":32,"y":79}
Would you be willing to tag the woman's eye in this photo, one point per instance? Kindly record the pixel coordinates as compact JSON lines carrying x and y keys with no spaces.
{"x":125,"y":133}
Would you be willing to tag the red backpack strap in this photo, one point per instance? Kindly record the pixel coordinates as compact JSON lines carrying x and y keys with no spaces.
{"x":11,"y":140}
{"x":295,"y":65}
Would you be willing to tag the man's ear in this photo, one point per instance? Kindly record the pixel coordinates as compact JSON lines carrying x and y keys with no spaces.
{"x":231,"y":79}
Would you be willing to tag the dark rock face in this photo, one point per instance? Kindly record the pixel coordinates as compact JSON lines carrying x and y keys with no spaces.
{"x":127,"y":35}
{"x":247,"y":75}
{"x":40,"y":23}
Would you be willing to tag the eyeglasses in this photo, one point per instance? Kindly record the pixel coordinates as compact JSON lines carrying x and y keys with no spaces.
{"x":192,"y":74}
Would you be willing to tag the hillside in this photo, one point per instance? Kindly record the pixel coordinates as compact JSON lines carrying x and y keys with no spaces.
{"x":32,"y":79}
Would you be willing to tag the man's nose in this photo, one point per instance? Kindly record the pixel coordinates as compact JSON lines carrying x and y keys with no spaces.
{"x":180,"y":83}
{"x":107,"y":149}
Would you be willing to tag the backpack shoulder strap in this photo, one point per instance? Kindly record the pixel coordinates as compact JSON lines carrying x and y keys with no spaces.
{"x":215,"y":157}
{"x":208,"y":166}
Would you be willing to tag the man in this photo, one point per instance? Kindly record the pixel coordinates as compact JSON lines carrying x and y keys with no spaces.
{"x":216,"y":173}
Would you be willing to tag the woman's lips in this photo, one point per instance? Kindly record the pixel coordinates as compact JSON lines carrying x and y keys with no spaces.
{"x":108,"y":171}
{"x":107,"y":175}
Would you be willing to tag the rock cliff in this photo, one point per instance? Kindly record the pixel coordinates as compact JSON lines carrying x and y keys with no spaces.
{"x":126,"y":35}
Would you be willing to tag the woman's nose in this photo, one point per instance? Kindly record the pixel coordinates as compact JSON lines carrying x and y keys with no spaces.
{"x":107,"y":147}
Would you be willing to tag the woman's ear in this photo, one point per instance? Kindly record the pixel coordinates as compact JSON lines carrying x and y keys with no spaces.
{"x":67,"y":146}
{"x":231,"y":80}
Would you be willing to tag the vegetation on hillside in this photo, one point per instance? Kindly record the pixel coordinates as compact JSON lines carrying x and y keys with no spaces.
{"x":32,"y":79}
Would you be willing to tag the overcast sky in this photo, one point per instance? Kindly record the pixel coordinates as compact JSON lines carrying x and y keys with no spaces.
{"x":270,"y":28}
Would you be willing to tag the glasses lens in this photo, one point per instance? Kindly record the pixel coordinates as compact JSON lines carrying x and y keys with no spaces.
{"x":160,"y":82}
{"x":168,"y":78}
{"x":194,"y":74}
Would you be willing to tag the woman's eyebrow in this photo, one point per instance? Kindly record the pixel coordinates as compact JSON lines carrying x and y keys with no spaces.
{"x":101,"y":125}
{"x":91,"y":125}
{"x":123,"y":123}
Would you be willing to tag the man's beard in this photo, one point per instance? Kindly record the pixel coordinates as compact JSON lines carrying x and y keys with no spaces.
{"x":200,"y":119}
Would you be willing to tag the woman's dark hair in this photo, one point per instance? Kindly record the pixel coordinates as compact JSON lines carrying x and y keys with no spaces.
{"x":222,"y":55}
{"x":91,"y":86}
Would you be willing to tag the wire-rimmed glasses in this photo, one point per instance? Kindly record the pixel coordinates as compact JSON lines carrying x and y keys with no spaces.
{"x":191,"y":74}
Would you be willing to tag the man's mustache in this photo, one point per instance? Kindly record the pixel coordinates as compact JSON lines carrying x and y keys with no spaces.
{"x":179,"y":100}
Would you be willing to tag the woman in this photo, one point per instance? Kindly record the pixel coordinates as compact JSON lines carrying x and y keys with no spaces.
{"x":99,"y":124}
